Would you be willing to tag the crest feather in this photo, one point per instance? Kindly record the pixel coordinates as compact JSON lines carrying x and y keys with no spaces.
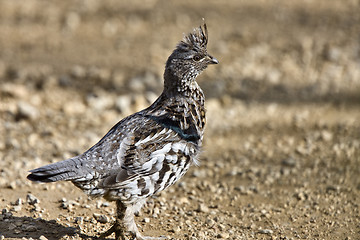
{"x":197,"y":39}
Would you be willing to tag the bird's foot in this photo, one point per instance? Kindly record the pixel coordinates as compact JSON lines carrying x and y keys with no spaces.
{"x":120,"y":233}
{"x":117,"y":228}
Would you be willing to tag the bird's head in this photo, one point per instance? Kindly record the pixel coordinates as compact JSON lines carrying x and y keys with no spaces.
{"x":189,"y":58}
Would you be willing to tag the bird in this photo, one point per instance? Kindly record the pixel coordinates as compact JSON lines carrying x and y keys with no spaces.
{"x":150,"y":150}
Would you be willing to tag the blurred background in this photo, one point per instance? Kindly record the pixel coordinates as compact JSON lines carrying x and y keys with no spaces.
{"x":281,"y":155}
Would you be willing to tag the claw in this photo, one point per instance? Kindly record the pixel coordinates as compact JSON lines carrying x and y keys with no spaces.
{"x":117,"y":228}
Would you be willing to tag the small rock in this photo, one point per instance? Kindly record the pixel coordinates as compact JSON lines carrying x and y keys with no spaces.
{"x":146,"y":220}
{"x":184,"y":200}
{"x":331,"y":188}
{"x":68,"y":204}
{"x":13,"y":184}
{"x":26,"y":111}
{"x":42,"y":238}
{"x":156,"y":212}
{"x":266,"y":231}
{"x":36,"y":208}
{"x":15,"y":90}
{"x":289,"y":162}
{"x":31,"y":199}
{"x":79,"y":220}
{"x":223,"y":235}
{"x":241,"y":189}
{"x":202,"y":208}
{"x":18,"y":202}
{"x":176,"y":229}
{"x":326,"y":136}
{"x":16,"y":208}
{"x":101,"y":218}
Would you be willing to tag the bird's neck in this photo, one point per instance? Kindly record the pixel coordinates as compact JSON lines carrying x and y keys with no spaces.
{"x":182,"y":104}
{"x":182,"y":85}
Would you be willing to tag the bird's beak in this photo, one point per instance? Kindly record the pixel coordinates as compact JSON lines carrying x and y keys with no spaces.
{"x":212,"y":60}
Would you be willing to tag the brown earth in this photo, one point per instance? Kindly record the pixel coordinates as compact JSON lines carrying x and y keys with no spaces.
{"x":282,"y":146}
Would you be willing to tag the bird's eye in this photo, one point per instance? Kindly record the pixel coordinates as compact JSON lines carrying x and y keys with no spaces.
{"x":197,"y":58}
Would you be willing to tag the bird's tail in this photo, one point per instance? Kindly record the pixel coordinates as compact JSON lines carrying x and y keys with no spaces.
{"x":64,"y":170}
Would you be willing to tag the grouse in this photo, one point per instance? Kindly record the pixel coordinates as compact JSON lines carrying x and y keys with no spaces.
{"x":147,"y":151}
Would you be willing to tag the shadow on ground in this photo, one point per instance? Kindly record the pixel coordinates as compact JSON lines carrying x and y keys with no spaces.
{"x":20,"y":227}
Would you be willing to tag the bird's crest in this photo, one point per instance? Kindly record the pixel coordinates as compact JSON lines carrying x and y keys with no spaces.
{"x":195,"y":40}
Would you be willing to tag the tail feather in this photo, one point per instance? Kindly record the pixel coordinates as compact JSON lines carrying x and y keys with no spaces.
{"x":64,"y":170}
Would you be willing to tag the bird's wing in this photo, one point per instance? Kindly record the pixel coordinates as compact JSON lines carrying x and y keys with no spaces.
{"x":143,"y":152}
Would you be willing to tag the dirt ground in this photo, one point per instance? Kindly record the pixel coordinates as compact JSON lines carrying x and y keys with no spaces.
{"x":282,"y":147}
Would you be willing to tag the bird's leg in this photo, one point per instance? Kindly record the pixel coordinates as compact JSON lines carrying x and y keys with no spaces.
{"x":129,"y":222}
{"x":118,"y":228}
{"x":125,"y":222}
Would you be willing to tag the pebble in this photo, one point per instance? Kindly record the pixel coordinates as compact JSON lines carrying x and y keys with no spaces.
{"x":101,"y":218}
{"x":326,"y":136}
{"x":266,"y":231}
{"x":26,"y":111}
{"x":79,"y":220}
{"x":223,"y":235}
{"x":183,"y":200}
{"x":68,"y":204}
{"x":42,"y":238}
{"x":146,"y":220}
{"x":15,"y":90}
{"x":202,"y":208}
{"x":18,"y":202}
{"x":31,"y":199}
{"x":289,"y":162}
{"x":175,"y":229}
{"x":156,"y":212}
{"x":16,"y":208}
{"x":6,"y":213}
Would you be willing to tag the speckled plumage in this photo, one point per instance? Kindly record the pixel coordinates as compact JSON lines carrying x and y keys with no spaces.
{"x":150,"y":150}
